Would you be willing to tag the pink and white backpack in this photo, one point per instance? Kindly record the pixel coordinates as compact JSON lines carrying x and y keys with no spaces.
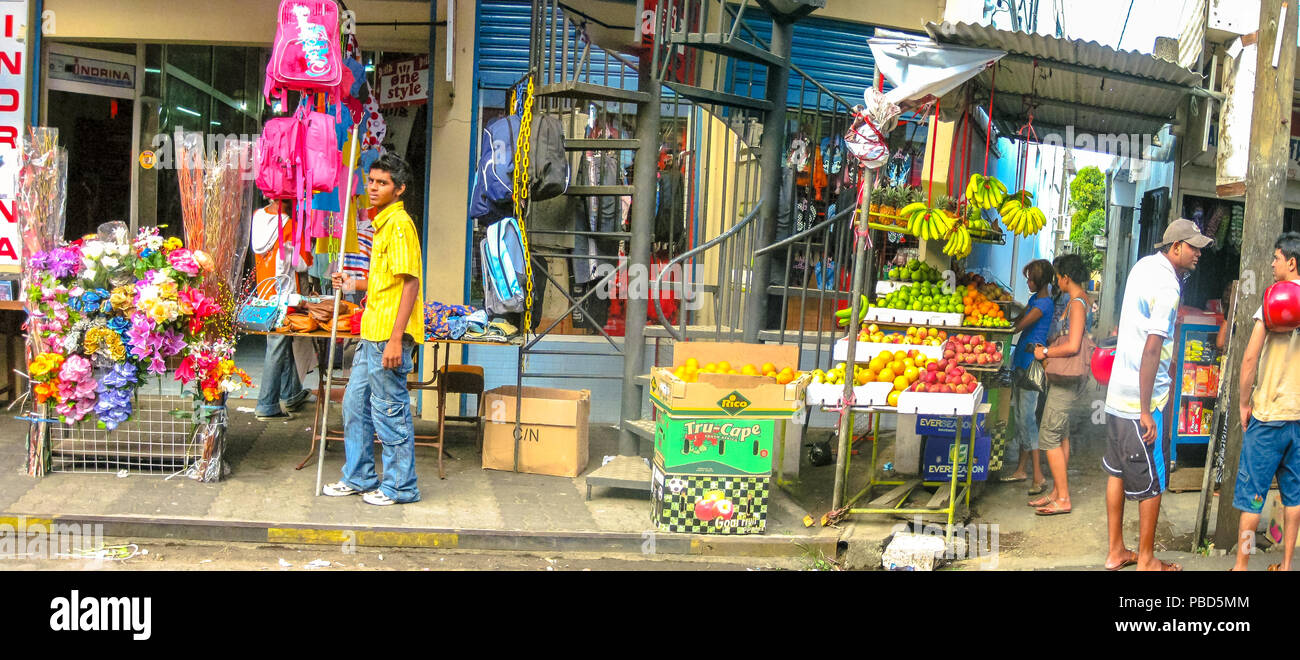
{"x":307,"y":55}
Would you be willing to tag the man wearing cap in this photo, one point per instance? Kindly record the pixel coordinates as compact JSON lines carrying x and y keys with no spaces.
{"x":1270,"y":421}
{"x":1137,"y":449}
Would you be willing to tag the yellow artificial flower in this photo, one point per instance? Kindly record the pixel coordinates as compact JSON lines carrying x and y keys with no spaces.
{"x":172,"y":243}
{"x":167,"y":290}
{"x":44,"y":364}
{"x":122,"y":296}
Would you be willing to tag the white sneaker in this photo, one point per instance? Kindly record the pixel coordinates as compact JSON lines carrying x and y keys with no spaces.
{"x":378,"y":498}
{"x":339,"y":489}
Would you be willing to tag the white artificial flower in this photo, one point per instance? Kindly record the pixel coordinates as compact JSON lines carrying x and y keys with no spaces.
{"x":93,"y":249}
{"x":110,"y":262}
{"x":154,"y":241}
{"x":89,"y":274}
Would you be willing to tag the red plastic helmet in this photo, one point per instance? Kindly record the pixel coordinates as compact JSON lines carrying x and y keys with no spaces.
{"x":1282,"y":306}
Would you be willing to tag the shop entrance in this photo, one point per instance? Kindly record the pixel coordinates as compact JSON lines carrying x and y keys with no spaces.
{"x":90,"y":97}
{"x":97,"y":133}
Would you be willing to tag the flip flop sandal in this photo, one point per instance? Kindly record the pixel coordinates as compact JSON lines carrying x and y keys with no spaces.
{"x":1274,"y":567}
{"x":1011,"y":480}
{"x":1050,"y":511}
{"x":1040,"y":502}
{"x":1124,"y":564}
{"x":1038,"y":490}
{"x":1170,"y":566}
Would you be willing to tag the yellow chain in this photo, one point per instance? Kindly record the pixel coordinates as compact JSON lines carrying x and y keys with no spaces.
{"x":520,"y":198}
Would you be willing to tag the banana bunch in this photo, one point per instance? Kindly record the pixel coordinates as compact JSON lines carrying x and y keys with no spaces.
{"x":959,"y":242}
{"x":986,"y":192}
{"x":926,"y":222}
{"x":1020,"y":216}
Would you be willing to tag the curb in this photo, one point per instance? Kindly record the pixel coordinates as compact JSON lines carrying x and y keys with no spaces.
{"x":647,"y":542}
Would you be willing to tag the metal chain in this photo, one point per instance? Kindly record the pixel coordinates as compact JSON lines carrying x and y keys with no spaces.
{"x":520,"y":198}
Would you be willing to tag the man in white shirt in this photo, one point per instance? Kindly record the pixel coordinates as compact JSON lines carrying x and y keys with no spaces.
{"x":1137,"y":446}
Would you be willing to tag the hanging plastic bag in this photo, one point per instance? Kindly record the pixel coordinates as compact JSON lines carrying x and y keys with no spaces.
{"x":871,"y":123}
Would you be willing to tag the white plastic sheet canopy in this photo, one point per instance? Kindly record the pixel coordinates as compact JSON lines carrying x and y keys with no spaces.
{"x":922,"y":69}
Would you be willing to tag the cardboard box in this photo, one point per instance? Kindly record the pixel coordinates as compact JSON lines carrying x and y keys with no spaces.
{"x":936,"y":461}
{"x":692,"y":445}
{"x":554,"y":425}
{"x":726,"y":396}
{"x":929,"y":403}
{"x":709,"y":504}
{"x":826,"y":394}
{"x":938,"y":425}
{"x":1194,"y":418}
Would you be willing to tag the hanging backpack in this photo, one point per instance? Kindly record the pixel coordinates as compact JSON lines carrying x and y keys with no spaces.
{"x":276,"y":156}
{"x":548,"y":171}
{"x":307,"y":55}
{"x":501,"y":255}
{"x":494,"y":177}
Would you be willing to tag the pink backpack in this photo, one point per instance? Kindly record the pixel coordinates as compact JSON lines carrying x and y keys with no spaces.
{"x":307,"y":54}
{"x":297,"y":156}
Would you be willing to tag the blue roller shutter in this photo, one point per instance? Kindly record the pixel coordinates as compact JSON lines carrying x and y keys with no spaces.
{"x":503,"y":35}
{"x":834,"y":53}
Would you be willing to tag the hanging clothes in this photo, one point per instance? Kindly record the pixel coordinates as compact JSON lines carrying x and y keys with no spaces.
{"x":596,"y":213}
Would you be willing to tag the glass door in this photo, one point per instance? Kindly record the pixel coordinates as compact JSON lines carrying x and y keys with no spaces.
{"x":90,"y":96}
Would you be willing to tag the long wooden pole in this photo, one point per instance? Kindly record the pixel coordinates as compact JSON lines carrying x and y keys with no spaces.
{"x":1265,"y":193}
{"x":334,"y":327}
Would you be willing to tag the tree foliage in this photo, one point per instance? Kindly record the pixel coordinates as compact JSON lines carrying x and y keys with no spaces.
{"x":1088,"y":214}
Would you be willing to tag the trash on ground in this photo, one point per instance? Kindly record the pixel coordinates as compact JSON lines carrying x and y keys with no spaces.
{"x":244,"y":409}
{"x":284,"y":564}
{"x":317,"y":563}
{"x":123,"y":473}
{"x":912,"y":552}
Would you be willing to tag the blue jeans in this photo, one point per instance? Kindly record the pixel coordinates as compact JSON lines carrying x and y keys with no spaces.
{"x":378,"y":401}
{"x":279,"y":377}
{"x":1026,"y":438}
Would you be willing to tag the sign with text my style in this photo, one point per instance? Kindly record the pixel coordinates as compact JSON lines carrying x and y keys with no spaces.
{"x":404,"y":82}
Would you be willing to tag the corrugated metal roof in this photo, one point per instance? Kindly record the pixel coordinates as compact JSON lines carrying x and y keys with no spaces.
{"x":1087,"y":101}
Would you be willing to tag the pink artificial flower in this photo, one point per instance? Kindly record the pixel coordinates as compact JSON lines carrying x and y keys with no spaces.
{"x":183,"y":260}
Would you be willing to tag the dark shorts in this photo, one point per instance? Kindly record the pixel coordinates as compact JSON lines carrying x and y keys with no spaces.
{"x":1268,"y":449}
{"x":1140,"y":465}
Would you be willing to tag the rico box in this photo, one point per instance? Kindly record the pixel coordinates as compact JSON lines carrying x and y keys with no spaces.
{"x":723,"y":396}
{"x":709,"y":504}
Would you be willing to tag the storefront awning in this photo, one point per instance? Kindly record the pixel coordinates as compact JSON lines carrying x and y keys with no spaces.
{"x":1071,"y":83}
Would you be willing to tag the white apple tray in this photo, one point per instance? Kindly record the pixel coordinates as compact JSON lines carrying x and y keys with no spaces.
{"x":826,"y":394}
{"x":867,"y":349}
{"x":930,"y":403}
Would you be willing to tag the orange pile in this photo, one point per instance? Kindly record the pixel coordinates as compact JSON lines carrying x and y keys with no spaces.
{"x":978,"y":308}
{"x":691,"y":370}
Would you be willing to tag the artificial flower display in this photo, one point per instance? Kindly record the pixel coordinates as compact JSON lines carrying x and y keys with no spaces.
{"x":110,"y":313}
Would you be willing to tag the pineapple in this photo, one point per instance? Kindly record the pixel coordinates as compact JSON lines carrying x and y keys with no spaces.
{"x":873,"y":211}
{"x":889,"y":204}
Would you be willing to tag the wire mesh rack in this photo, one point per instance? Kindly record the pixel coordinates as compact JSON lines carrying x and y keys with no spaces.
{"x":164,"y":437}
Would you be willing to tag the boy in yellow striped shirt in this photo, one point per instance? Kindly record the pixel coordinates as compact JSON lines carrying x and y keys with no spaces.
{"x":377,"y":400}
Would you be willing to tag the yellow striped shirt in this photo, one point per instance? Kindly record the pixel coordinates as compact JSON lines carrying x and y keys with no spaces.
{"x":396,"y":251}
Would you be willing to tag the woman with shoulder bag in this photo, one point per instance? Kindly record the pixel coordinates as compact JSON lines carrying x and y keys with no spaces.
{"x":1033,"y":326}
{"x":1065,"y":362}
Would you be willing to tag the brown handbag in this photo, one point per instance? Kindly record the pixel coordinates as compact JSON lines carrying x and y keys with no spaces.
{"x":301,"y":323}
{"x":1074,"y":366}
{"x":323,"y":311}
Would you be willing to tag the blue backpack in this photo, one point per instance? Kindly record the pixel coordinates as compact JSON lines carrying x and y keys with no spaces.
{"x":494,"y":178}
{"x":501,"y":255}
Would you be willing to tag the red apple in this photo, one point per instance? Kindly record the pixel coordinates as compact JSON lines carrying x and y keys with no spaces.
{"x":982,"y":359}
{"x":968,"y":379}
{"x":932,"y":366}
{"x":959,"y":389}
{"x":949,"y":354}
{"x":997,"y":356}
{"x":919,"y":387}
{"x":705,"y":511}
{"x":958,"y":370}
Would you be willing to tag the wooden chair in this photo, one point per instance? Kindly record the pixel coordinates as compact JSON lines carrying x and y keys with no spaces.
{"x":458,"y":379}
